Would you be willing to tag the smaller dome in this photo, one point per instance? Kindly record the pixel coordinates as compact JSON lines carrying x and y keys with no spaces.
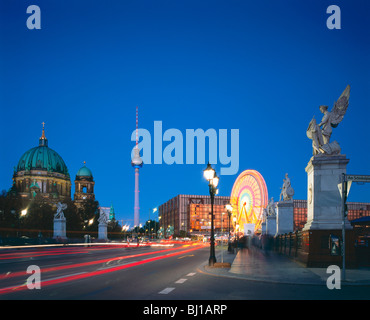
{"x":84,"y":172}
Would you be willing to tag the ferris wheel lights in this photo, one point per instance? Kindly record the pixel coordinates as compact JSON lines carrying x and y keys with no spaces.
{"x":249,"y":197}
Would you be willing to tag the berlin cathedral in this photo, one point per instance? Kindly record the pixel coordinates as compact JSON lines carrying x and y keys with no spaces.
{"x":41,"y":172}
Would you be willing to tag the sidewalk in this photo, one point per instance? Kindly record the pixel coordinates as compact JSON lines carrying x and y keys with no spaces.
{"x":256,"y":265}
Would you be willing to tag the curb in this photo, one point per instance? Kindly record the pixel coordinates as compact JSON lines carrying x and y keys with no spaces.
{"x":224,"y":272}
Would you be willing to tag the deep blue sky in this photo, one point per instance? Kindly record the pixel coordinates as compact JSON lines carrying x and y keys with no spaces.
{"x":262,"y":67}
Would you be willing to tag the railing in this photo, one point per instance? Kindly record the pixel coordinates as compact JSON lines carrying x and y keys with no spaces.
{"x":288,"y":244}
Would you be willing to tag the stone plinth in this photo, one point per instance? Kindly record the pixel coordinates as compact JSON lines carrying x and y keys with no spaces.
{"x":284,"y":217}
{"x":324,"y":203}
{"x":271,"y":225}
{"x":314,"y":249}
{"x":102,"y":232}
{"x":60,"y":228}
{"x":263,"y":228}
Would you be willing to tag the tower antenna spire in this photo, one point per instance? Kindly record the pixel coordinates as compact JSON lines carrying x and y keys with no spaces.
{"x":137,"y":125}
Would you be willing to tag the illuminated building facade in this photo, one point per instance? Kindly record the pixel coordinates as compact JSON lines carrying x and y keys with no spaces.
{"x":84,"y":185}
{"x":41,"y":173}
{"x":190,"y":214}
{"x":356,"y":210}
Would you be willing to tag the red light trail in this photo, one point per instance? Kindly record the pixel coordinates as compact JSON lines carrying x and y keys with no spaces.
{"x":97,"y":272}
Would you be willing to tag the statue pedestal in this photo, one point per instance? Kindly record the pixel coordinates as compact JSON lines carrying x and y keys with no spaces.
{"x":324,"y":202}
{"x":263,"y":228}
{"x":60,"y":228}
{"x":314,"y":250}
{"x":102,"y":232}
{"x":324,"y":213}
{"x":271,"y":225}
{"x":284,"y":217}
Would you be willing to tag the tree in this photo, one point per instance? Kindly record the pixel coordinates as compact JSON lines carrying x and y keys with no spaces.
{"x":114,"y":229}
{"x":11,"y":207}
{"x":151,"y":227}
{"x":73,"y":219}
{"x":89,"y":215}
{"x":39,"y":218}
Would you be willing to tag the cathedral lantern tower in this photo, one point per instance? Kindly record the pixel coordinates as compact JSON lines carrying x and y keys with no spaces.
{"x":84,"y":185}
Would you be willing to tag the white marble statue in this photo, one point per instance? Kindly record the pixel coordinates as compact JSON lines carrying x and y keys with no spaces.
{"x":103,"y":218}
{"x":287,"y":192}
{"x":321,"y":133}
{"x":60,"y":208}
{"x":264,"y":214}
{"x":271,"y":208}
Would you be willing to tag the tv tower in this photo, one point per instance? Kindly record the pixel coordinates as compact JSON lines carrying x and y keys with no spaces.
{"x":137,"y":163}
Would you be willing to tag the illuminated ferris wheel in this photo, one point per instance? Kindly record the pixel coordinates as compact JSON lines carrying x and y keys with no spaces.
{"x":249,"y":198}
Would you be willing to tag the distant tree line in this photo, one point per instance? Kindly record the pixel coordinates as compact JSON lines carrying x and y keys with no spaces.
{"x":34,"y":218}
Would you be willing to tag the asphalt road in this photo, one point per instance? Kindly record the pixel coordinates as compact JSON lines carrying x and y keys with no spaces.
{"x":90,"y":273}
{"x":158,"y":274}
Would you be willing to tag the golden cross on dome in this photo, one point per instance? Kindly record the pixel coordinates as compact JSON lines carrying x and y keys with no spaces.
{"x":43,"y":130}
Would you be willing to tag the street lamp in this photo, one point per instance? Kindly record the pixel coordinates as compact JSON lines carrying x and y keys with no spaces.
{"x":154,"y":210}
{"x":234,"y":219}
{"x":222,"y":236}
{"x":229,"y":209}
{"x":210,"y":175}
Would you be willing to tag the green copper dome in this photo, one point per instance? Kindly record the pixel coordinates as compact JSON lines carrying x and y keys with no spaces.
{"x":84,"y":172}
{"x":42,"y":158}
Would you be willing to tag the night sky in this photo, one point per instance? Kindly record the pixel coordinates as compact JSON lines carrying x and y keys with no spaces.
{"x":263,"y":67}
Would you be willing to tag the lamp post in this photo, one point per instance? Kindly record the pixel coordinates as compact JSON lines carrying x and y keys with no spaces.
{"x":229,"y":210}
{"x":150,"y":221}
{"x":222,"y":237}
{"x":210,"y":175}
{"x":234,"y":219}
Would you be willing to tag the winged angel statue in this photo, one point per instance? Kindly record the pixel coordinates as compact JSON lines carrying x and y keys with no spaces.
{"x":60,"y":208}
{"x":102,"y":218}
{"x":320,"y":133}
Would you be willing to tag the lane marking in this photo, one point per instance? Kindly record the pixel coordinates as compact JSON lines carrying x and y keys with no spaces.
{"x":189,"y":255}
{"x":117,"y":265}
{"x":65,"y":276}
{"x":166,"y":291}
{"x":181,"y":280}
{"x":191,"y":274}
